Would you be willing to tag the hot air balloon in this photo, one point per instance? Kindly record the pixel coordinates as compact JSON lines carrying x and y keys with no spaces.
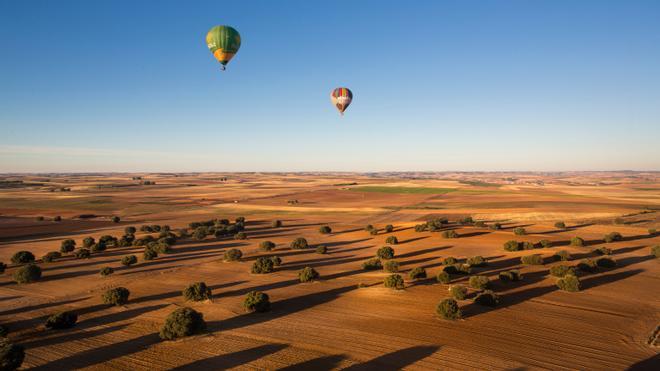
{"x":223,"y":42}
{"x":341,"y":98}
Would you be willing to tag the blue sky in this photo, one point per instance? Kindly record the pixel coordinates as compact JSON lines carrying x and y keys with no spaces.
{"x":438,"y":85}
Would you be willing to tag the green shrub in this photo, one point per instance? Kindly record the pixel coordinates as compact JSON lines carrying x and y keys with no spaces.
{"x":605,"y":262}
{"x":526,"y":245}
{"x":372,"y":264}
{"x":602,"y":251}
{"x":256,"y":301}
{"x":545,"y":243}
{"x":466,"y":221}
{"x":67,"y":245}
{"x":83,"y":253}
{"x":57,"y":218}
{"x":321,"y":249}
{"x":560,"y":225}
{"x":534,"y":259}
{"x":22,"y":257}
{"x":655,"y":251}
{"x":233,"y":255}
{"x":88,"y":242}
{"x":495,"y":226}
{"x":62,"y":320}
{"x":3,"y":267}
{"x":449,"y":234}
{"x":106,"y":271}
{"x":450,"y":260}
{"x":129,"y":260}
{"x":613,"y":237}
{"x":457,"y":269}
{"x":373,"y":232}
{"x":369,"y":227}
{"x":385,"y":252}
{"x":487,"y":298}
{"x":587,"y":265}
{"x":394,"y":281}
{"x":182,"y":322}
{"x":308,"y":274}
{"x":420,"y":227}
{"x":98,"y":247}
{"x":200,"y":233}
{"x":577,"y":241}
{"x":117,"y":296}
{"x":276,"y":224}
{"x":480,"y":224}
{"x":11,"y":355}
{"x":619,"y":221}
{"x":299,"y":243}
{"x":512,"y":245}
{"x":569,"y":283}
{"x":240,"y":236}
{"x":458,"y":292}
{"x":392,"y":240}
{"x":417,"y":273}
{"x":51,"y":256}
{"x":277,"y":261}
{"x":325,"y":229}
{"x":443,"y":277}
{"x":652,"y":231}
{"x":391,"y":266}
{"x":479,"y":282}
{"x":389,"y":228}
{"x":476,"y":261}
{"x":130,"y":230}
{"x":262,"y":265}
{"x":149,"y":254}
{"x":510,"y":275}
{"x":197,"y":291}
{"x":561,"y":270}
{"x":27,"y":274}
{"x":267,"y":245}
{"x":448,"y":309}
{"x":519,"y":231}
{"x":561,"y":255}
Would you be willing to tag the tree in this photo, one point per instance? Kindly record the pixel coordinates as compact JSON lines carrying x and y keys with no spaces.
{"x":51,"y":256}
{"x":27,"y":274}
{"x":391,"y":266}
{"x":129,"y":260}
{"x":197,"y":291}
{"x":372,"y":264}
{"x":449,"y":309}
{"x":385,"y":252}
{"x":476,"y":261}
{"x":602,"y":251}
{"x":256,"y":301}
{"x":458,"y":292}
{"x":106,"y":271}
{"x":308,"y":274}
{"x":11,"y":355}
{"x":479,"y":282}
{"x":394,"y":281}
{"x":511,"y":275}
{"x":67,"y":245}
{"x":443,"y":277}
{"x":199,"y":233}
{"x":392,"y":240}
{"x":3,"y":267}
{"x":277,"y":261}
{"x":325,"y":230}
{"x":562,"y":255}
{"x":83,"y":253}
{"x":417,"y":273}
{"x":519,"y":231}
{"x":262,"y":265}
{"x":450,"y":260}
{"x":487,"y":298}
{"x":321,"y":249}
{"x":116,"y":219}
{"x":512,"y":245}
{"x":62,"y":320}
{"x":450,"y":234}
{"x":182,"y":322}
{"x":240,"y":236}
{"x":545,"y":243}
{"x":149,"y":254}
{"x":57,"y":219}
{"x":389,"y":228}
{"x":117,"y":296}
{"x":233,"y":255}
{"x":299,"y":243}
{"x":613,"y":237}
{"x":561,"y":270}
{"x":569,"y":283}
{"x":655,"y":251}
{"x":496,"y":226}
{"x":560,"y":225}
{"x":277,"y":224}
{"x":130,"y":230}
{"x":587,"y":265}
{"x":22,"y":257}
{"x":88,"y":242}
{"x":577,"y":241}
{"x":605,"y":262}
{"x":534,"y":259}
{"x":266,"y":245}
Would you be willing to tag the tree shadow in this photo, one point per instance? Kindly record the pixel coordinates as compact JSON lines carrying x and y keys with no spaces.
{"x":41,"y":306}
{"x":102,"y":354}
{"x":231,"y":360}
{"x":650,"y":364}
{"x":322,"y":363}
{"x":413,"y":239}
{"x":472,"y":234}
{"x":396,"y":360}
{"x":422,"y":252}
{"x":67,"y":336}
{"x":117,"y":316}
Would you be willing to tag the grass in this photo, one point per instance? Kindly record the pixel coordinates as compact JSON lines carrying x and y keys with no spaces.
{"x":403,"y":190}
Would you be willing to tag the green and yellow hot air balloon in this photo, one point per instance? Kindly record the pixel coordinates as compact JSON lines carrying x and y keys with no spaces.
{"x":223,"y":42}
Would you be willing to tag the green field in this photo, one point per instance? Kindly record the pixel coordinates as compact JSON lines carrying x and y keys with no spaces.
{"x":403,"y":190}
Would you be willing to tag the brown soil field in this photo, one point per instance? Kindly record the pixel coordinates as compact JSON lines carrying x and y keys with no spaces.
{"x":346,"y":319}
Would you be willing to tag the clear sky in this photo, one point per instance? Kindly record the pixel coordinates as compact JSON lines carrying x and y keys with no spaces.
{"x":438,"y":85}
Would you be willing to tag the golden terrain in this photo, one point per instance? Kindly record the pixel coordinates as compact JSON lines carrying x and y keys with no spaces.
{"x":347,"y":319}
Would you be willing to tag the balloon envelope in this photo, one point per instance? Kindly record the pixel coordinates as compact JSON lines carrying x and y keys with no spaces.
{"x":341,"y":98}
{"x":223,"y":42}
